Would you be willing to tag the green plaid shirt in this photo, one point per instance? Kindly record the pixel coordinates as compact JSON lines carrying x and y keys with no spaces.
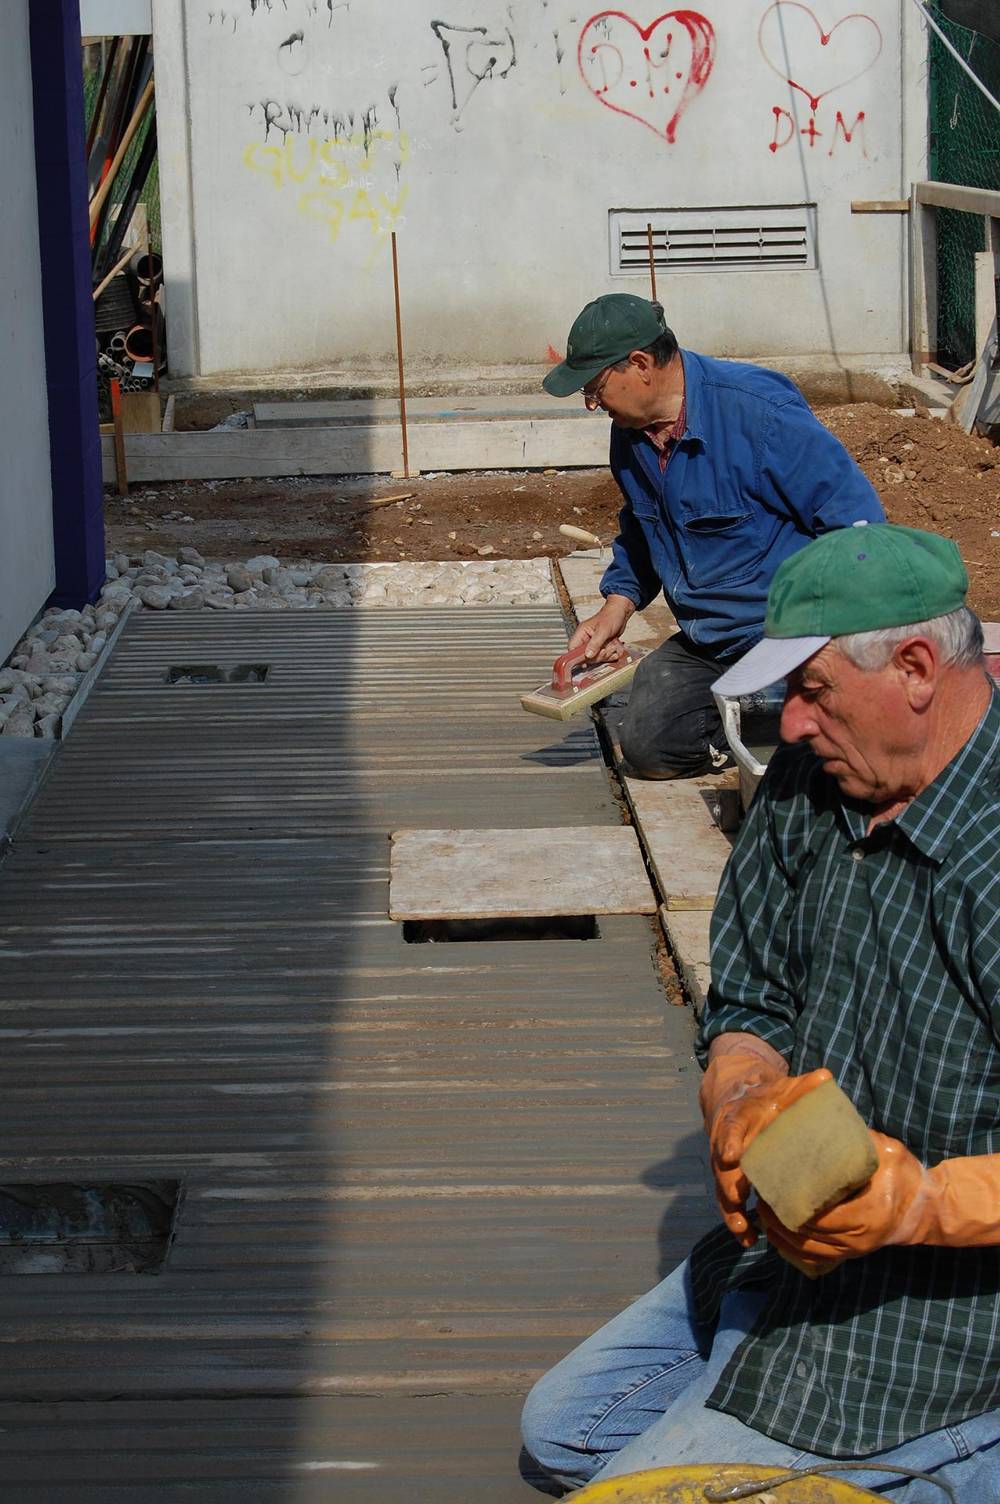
{"x":879,"y":957}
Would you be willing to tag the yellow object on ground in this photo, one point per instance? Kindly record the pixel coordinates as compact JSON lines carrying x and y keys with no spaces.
{"x":687,"y":1485}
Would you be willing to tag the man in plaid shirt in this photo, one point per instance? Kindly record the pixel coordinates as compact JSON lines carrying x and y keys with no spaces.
{"x":856,"y":932}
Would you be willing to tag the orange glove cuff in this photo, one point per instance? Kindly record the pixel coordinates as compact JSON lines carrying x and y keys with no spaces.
{"x":957,"y":1205}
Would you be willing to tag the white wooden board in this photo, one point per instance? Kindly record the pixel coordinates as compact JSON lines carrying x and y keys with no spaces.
{"x":477,"y":874}
{"x":365,"y":449}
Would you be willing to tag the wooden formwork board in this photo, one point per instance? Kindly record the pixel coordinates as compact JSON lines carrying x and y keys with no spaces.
{"x":366,"y":449}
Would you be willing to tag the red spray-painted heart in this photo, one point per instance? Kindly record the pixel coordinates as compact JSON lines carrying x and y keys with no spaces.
{"x":813,"y":61}
{"x":650,"y":73}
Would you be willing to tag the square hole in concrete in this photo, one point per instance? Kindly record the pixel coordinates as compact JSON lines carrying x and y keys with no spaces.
{"x":93,"y":1228}
{"x":520,"y":927}
{"x":195,"y":673}
{"x":212,"y":673}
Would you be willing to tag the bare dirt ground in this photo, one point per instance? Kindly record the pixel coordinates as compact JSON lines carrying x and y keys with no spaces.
{"x":927,"y":474}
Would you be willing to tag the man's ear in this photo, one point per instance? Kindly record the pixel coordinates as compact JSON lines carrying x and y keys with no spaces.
{"x":643,"y":362}
{"x":918,"y":663}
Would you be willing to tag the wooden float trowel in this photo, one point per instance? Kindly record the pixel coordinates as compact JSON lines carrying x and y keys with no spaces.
{"x":575,"y":683}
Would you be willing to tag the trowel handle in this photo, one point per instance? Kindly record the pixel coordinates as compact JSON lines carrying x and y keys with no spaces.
{"x":562,"y":669}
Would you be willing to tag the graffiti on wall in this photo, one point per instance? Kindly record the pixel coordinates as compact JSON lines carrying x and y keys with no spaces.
{"x":472,"y":56}
{"x":814,"y":64}
{"x":342,"y":169}
{"x":650,"y":73}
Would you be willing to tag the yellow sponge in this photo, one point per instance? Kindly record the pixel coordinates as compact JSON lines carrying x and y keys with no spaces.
{"x":814,"y":1154}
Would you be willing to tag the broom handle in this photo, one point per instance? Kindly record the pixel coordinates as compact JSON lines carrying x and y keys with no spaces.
{"x":97,"y":202}
{"x":113,"y":272}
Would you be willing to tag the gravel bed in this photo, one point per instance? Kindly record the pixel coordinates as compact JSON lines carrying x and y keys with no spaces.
{"x":46,"y":667}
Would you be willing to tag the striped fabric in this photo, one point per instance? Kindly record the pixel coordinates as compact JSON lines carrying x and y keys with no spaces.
{"x":879,"y":957}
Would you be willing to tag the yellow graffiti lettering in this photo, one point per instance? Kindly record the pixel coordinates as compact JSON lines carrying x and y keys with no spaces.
{"x":295,"y":174}
{"x":265,"y":159}
{"x":392,"y":210}
{"x":362,"y":208}
{"x":321,"y":204}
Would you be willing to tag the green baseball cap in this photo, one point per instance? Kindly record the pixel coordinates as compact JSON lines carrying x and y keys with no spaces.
{"x":607,"y":330}
{"x":856,"y":579}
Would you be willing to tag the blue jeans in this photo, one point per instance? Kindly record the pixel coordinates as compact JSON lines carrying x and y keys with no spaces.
{"x":672,"y":727}
{"x":632,"y":1396}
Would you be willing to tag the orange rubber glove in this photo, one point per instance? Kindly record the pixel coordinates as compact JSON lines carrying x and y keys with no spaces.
{"x":744,"y":1088}
{"x":954,"y":1205}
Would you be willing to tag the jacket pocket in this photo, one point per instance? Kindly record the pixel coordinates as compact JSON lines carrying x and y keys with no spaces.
{"x":721,"y":548}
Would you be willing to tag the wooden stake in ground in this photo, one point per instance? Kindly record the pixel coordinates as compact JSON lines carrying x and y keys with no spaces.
{"x":399,"y":359}
{"x":121,"y":472}
{"x":652,"y":259}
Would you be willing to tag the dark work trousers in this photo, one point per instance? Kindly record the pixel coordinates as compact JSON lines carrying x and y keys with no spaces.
{"x":671,"y":728}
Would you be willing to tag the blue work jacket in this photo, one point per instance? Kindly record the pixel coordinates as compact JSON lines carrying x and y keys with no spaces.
{"x":754,"y":477}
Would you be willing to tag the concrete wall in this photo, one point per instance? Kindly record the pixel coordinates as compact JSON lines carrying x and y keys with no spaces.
{"x":27,"y":568}
{"x":495,"y":138}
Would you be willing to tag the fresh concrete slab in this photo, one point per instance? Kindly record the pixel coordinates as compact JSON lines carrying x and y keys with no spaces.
{"x":478,"y":874}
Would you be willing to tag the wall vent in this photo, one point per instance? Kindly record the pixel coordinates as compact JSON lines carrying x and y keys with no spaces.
{"x":755,"y":238}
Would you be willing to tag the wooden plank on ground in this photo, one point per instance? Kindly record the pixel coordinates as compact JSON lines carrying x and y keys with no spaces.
{"x":364,"y":449}
{"x":686,"y":848}
{"x":470,"y":874}
{"x":141,"y":412}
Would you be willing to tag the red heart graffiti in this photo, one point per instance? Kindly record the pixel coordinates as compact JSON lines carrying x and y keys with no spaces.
{"x":788,"y":37}
{"x":650,"y":73}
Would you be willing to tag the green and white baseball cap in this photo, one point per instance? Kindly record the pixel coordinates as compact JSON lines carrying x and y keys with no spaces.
{"x":856,"y":579}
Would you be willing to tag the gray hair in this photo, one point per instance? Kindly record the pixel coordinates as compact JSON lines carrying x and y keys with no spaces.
{"x":958,"y":635}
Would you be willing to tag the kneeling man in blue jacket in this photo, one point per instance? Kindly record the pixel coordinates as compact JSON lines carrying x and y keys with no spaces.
{"x":725,"y":472}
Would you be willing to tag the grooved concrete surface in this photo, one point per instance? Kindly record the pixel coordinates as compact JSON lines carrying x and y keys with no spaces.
{"x":414,"y":1175}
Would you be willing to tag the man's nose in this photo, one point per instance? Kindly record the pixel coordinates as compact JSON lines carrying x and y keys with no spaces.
{"x":796,"y":719}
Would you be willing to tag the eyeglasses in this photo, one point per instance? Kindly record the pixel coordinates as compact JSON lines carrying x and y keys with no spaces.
{"x":592,"y":398}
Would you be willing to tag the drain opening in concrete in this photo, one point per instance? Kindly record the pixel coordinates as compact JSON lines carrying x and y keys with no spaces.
{"x":211,"y":673}
{"x":60,"y":1228}
{"x":540,"y":927}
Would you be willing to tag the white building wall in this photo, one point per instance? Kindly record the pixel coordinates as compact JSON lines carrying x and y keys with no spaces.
{"x":27,"y":567}
{"x":495,"y":136}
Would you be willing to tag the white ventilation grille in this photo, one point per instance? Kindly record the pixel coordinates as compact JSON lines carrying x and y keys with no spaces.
{"x":694,"y":240}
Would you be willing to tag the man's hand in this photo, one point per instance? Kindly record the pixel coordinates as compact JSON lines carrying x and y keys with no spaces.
{"x":744,"y":1088}
{"x":600,"y":633}
{"x":954,"y":1205}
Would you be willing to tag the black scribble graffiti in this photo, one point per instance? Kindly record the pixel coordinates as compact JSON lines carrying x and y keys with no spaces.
{"x":479,"y":62}
{"x":433,"y":71}
{"x":289,"y":42}
{"x":316,"y":120}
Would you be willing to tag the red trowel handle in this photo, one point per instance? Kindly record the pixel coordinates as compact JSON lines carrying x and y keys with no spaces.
{"x":562,"y":669}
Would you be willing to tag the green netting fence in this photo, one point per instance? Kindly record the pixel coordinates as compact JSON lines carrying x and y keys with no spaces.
{"x":964,"y":148}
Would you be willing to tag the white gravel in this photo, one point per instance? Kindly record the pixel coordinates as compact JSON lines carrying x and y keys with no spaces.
{"x":46,"y":667}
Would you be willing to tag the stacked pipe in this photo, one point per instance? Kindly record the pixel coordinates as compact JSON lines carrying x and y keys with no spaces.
{"x":121,"y":149}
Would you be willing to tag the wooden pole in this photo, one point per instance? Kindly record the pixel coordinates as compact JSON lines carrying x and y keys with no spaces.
{"x":113,"y":272}
{"x":652,"y":259}
{"x":121,"y":472}
{"x":97,"y":202}
{"x":399,"y":359}
{"x":108,"y":67}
